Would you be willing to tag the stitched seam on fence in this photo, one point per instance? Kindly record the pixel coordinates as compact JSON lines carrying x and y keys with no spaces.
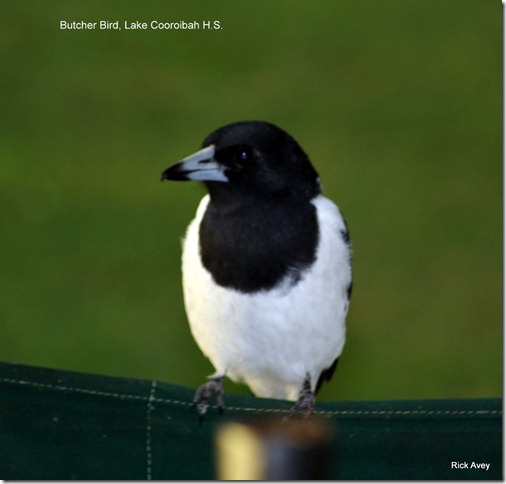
{"x":149,"y":409}
{"x":389,"y":413}
{"x":121,"y":396}
{"x":126,"y":396}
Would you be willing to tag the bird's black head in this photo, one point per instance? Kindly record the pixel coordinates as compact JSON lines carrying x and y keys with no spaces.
{"x":249,"y":158}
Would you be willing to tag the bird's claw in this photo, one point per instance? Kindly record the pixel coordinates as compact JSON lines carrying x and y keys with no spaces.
{"x":305,"y":404}
{"x":204,"y":394}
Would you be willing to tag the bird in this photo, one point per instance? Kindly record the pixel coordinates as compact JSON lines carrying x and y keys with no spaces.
{"x":266,"y":266}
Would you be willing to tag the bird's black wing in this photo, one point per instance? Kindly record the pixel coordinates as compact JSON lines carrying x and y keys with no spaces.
{"x":326,"y":375}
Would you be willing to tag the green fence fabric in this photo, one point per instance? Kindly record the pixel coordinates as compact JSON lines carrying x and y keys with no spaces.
{"x":62,"y":425}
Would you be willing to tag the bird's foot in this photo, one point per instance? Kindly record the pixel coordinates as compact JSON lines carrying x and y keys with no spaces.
{"x":305,"y":405}
{"x":205,"y":392}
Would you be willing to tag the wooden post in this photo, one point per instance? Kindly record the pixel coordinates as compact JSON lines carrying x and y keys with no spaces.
{"x":273,"y":450}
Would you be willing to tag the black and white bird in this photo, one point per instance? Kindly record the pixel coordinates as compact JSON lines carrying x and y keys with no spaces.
{"x":266,"y":266}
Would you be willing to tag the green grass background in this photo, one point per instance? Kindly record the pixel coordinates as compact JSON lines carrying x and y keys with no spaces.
{"x":397,"y":103}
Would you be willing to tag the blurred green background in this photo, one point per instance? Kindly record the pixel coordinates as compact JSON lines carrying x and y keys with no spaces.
{"x":397,"y":103}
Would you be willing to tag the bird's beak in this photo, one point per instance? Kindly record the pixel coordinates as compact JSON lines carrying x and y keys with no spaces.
{"x":201,"y":166}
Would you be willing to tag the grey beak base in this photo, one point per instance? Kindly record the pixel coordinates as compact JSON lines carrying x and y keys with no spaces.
{"x":200,"y":166}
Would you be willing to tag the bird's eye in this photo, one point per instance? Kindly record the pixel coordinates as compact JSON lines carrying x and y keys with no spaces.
{"x":245,"y":154}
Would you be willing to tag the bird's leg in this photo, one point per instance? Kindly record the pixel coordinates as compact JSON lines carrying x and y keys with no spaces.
{"x":205,"y":392}
{"x":305,"y":404}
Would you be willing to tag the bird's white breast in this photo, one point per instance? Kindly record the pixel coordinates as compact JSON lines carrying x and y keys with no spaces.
{"x":272,"y":339}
